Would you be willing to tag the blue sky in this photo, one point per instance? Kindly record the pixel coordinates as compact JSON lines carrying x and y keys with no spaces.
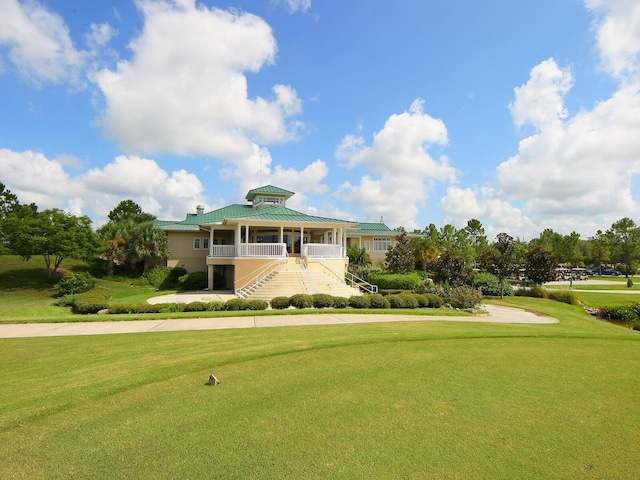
{"x":524,"y":115}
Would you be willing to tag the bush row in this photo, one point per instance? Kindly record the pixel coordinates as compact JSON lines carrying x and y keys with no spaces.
{"x":321,"y":300}
{"x":624,"y":313}
{"x":91,"y":302}
{"x":406,"y":281}
{"x":564,"y":296}
{"x":235,"y":304}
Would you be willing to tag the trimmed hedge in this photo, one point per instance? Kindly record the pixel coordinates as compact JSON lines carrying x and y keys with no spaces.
{"x":75,"y":283}
{"x":193,"y":281}
{"x":301,"y":300}
{"x":280,"y":303}
{"x":435,"y":301}
{"x":378,"y":301}
{"x":91,"y":302}
{"x":564,"y":296}
{"x":322,"y":300}
{"x":340,"y":302}
{"x":359,"y":301}
{"x":397,"y":281}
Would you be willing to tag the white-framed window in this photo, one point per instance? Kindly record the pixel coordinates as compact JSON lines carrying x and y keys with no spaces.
{"x":367,"y":245}
{"x":201,"y":243}
{"x":381,"y":244}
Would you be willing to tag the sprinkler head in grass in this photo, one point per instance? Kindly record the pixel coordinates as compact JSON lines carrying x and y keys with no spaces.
{"x":213,"y":380}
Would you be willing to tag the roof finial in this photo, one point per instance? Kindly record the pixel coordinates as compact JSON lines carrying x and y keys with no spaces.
{"x":381,"y":219}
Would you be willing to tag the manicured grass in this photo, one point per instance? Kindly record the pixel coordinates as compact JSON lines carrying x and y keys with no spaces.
{"x":406,"y":400}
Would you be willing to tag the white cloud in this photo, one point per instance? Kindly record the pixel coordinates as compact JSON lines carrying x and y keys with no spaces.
{"x":497,"y":214}
{"x":38,"y":44}
{"x":540,"y":102}
{"x":618,"y":35}
{"x":34,"y":178}
{"x":294,"y":5}
{"x":399,"y":157}
{"x":185,"y":90}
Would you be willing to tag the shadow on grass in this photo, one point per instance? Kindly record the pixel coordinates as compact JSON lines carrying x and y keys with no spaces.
{"x":26,"y":279}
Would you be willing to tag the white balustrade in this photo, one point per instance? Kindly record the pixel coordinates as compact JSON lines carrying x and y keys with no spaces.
{"x":262,"y":250}
{"x":322,"y":250}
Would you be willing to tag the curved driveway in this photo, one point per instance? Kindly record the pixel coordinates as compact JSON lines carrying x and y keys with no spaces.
{"x":497,"y":314}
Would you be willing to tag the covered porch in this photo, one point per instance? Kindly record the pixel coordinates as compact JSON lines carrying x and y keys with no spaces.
{"x":242,"y":254}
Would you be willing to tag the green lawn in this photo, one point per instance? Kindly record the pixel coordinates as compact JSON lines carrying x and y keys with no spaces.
{"x":407,"y":400}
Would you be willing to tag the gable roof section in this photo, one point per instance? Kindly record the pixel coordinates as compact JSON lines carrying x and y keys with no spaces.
{"x":373,"y":229}
{"x":268,"y":190}
{"x":234,"y":213}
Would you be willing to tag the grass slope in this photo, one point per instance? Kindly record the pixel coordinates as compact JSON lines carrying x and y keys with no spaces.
{"x":407,"y":400}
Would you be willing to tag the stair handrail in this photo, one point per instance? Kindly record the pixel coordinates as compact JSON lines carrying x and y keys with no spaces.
{"x":353,"y":280}
{"x":310,"y":284}
{"x":260,"y":274}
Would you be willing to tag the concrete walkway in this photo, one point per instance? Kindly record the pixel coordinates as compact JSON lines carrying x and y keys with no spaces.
{"x":497,"y":314}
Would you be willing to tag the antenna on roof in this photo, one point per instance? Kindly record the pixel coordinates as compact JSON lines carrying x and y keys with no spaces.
{"x":381,"y":219}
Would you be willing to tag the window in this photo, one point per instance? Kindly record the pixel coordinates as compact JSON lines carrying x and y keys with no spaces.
{"x":367,"y":245}
{"x":201,"y":243}
{"x":381,"y":244}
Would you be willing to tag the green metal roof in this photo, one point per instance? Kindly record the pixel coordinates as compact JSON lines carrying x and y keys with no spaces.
{"x":269,"y":190}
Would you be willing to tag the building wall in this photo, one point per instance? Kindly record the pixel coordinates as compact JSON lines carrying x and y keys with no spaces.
{"x":366,"y":241}
{"x":182,"y":253}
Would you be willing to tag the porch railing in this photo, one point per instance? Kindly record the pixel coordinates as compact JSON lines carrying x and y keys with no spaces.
{"x":322,"y":250}
{"x":278,"y":250}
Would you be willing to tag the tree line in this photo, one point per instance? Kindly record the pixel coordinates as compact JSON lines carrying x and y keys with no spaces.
{"x":130,"y":237}
{"x":453,"y":254}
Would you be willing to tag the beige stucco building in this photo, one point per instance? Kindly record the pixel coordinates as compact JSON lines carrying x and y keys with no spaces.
{"x":238,"y":245}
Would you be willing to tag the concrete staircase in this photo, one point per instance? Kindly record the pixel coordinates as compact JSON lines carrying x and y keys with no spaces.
{"x":296,"y":279}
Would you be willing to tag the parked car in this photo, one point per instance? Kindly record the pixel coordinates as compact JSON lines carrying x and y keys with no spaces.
{"x":608,"y":271}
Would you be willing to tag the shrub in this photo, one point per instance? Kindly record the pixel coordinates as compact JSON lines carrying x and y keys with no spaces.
{"x":489,"y":285}
{"x":172,"y":307}
{"x":422,"y":300}
{"x":235,"y":304}
{"x":301,"y":300}
{"x":157,"y":275}
{"x":395,"y":301}
{"x":536,"y":292}
{"x":280,"y":303}
{"x":75,"y":283}
{"x":378,"y":301}
{"x":340,"y":302}
{"x":435,"y":301}
{"x":65,"y":301}
{"x":196,"y":307}
{"x":149,"y":308}
{"x":123,"y":309}
{"x":564,"y":296}
{"x":322,"y":300}
{"x":621,"y":313}
{"x":215,"y":306}
{"x":408,"y":300}
{"x":256,"y":305}
{"x":399,"y":281}
{"x":464,"y":297}
{"x":359,"y":301}
{"x":193,"y":281}
{"x":91,"y":302}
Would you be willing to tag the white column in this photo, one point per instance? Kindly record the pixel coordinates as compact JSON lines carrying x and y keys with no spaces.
{"x":301,"y":240}
{"x":237,"y":239}
{"x":246,"y":234}
{"x":211,"y":242}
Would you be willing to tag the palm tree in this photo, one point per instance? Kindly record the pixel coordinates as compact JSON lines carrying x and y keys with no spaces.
{"x":359,"y":259}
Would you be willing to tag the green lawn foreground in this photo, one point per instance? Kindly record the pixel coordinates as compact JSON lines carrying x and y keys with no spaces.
{"x":430,"y":400}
